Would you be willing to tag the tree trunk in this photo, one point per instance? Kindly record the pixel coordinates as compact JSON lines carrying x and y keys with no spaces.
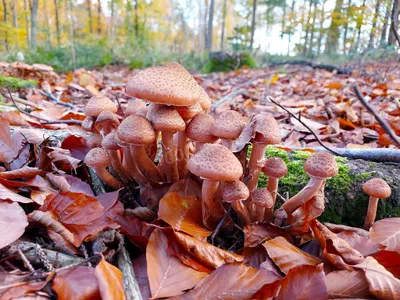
{"x":112,"y":32}
{"x":382,"y":42}
{"x":374,"y":22}
{"x":290,"y":34}
{"x":89,"y":8}
{"x":99,"y":17}
{"x":28,"y":33}
{"x":210,"y":27}
{"x":72,"y":33}
{"x":15,"y":18}
{"x":136,"y":18}
{"x":314,"y":16}
{"x":346,"y":28}
{"x":360,"y":21}
{"x":253,"y":24}
{"x":48,"y":28}
{"x":332,"y":42}
{"x":5,"y":21}
{"x":57,"y":23}
{"x":223,"y":25}
{"x":34,"y":11}
{"x":394,"y":22}
{"x":321,"y":29}
{"x":308,"y":25}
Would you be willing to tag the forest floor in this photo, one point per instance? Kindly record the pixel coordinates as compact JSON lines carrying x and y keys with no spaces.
{"x":58,"y":217}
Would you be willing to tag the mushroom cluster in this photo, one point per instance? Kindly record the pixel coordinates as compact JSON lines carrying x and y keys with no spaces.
{"x":167,"y":135}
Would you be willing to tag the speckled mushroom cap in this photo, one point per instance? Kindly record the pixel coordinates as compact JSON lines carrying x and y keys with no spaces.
{"x":21,"y":65}
{"x":94,"y":141}
{"x":97,"y":158}
{"x":198,"y":129}
{"x":228,"y":125}
{"x":97,"y":104}
{"x":275,"y":167}
{"x":88,"y":124}
{"x":377,"y":187}
{"x":166,"y":118}
{"x":136,"y":130}
{"x":105,"y":118}
{"x":109,"y":142}
{"x":234,"y":191}
{"x":215,"y":162}
{"x":204,"y":100}
{"x":170,"y":84}
{"x":189,"y":112}
{"x":134,"y":106}
{"x":42,"y":67}
{"x":266,"y":129}
{"x":262,"y":198}
{"x":321,"y":165}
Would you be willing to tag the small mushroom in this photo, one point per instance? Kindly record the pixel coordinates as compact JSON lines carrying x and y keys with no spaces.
{"x":235,"y":192}
{"x":262,"y":201}
{"x":93,"y":141}
{"x":204,"y":100}
{"x":134,"y":107}
{"x":275,"y":168}
{"x":199,"y":130}
{"x":228,"y":126}
{"x":97,"y":104}
{"x":377,"y":189}
{"x":88,"y":124}
{"x":98,"y":159}
{"x":106,"y":122}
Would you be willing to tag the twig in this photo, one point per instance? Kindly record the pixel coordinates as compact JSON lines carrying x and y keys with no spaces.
{"x":25,"y":260}
{"x":386,"y":127}
{"x":305,"y":125}
{"x":221,"y":222}
{"x":25,"y":102}
{"x":54,"y":98}
{"x":43,"y":121}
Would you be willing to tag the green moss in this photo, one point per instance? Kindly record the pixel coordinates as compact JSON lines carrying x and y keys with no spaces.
{"x":230,"y":62}
{"x":15,"y":83}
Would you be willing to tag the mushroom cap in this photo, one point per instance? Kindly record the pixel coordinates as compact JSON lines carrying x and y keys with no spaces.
{"x":204,"y":100}
{"x":136,"y":130}
{"x":228,"y":125}
{"x":133,"y":107}
{"x":109,"y":142}
{"x":189,"y":112}
{"x":42,"y":67}
{"x":266,"y":129}
{"x":88,"y":124}
{"x":262,"y":198}
{"x":94,"y":141}
{"x":97,"y":104}
{"x":170,"y":84}
{"x":235,"y":191}
{"x":321,"y":165}
{"x":215,"y":162}
{"x":21,"y":66}
{"x":105,"y":118}
{"x":377,"y":187}
{"x":275,"y":167}
{"x":97,"y":158}
{"x":198,"y":129}
{"x":166,"y":118}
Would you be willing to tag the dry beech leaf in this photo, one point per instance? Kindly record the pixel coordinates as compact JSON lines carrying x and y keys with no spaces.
{"x":335,"y":228}
{"x":8,"y":147}
{"x":382,"y":283}
{"x":183,"y":213}
{"x":287,"y":256}
{"x":334,"y":85}
{"x":362,"y":244}
{"x":387,"y":233}
{"x":78,"y":283}
{"x":347,"y":284}
{"x":256,"y":233}
{"x":390,"y":260}
{"x":76,"y":145}
{"x":24,"y":172}
{"x":168,"y":276}
{"x":11,"y":213}
{"x":14,"y":118}
{"x":231,"y":281}
{"x":8,"y":194}
{"x":109,"y":279}
{"x":140,"y":268}
{"x":255,"y":256}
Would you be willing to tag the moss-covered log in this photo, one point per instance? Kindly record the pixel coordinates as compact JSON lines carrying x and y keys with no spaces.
{"x":346,"y":203}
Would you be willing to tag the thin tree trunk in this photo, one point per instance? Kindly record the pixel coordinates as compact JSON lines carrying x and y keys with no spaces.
{"x":289,"y":34}
{"x":5,"y":21}
{"x":253,"y":24}
{"x":112,"y":33}
{"x":57,"y":23}
{"x":332,"y":42}
{"x":394,"y":23}
{"x":223,"y":25}
{"x":321,"y":29}
{"x":34,"y":11}
{"x":99,"y":17}
{"x":72,"y":33}
{"x":89,"y":8}
{"x":210,"y":27}
{"x":283,"y":21}
{"x":206,"y":10}
{"x":46,"y":16}
{"x":15,"y":19}
{"x":360,"y":20}
{"x":314,"y":16}
{"x":346,"y":28}
{"x":374,"y":22}
{"x":307,"y":28}
{"x":382,"y":42}
{"x":27,"y":22}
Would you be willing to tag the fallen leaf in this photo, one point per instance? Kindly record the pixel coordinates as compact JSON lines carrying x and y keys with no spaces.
{"x":140,"y":268}
{"x":8,"y":147}
{"x":25,"y":288}
{"x":76,"y":145}
{"x":8,"y":194}
{"x":347,"y":284}
{"x":24,"y":172}
{"x":334,"y":85}
{"x":11,"y":213}
{"x":387,"y":233}
{"x":390,"y":260}
{"x":256,"y":233}
{"x":109,"y":279}
{"x":362,"y":244}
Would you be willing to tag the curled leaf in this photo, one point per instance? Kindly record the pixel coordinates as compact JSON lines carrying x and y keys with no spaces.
{"x":387,"y":233}
{"x":109,"y":279}
{"x":11,"y":213}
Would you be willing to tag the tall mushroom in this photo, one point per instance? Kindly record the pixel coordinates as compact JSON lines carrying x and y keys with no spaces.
{"x":235,"y":192}
{"x":275,"y":168}
{"x":228,"y":126}
{"x":376,"y":189}
{"x":98,"y":159}
{"x":214,"y":163}
{"x":262,"y":201}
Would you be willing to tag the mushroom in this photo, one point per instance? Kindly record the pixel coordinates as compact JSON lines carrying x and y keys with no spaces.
{"x":319,"y":167}
{"x":235,"y":192}
{"x":98,"y":159}
{"x":377,"y":189}
{"x":134,"y":106}
{"x":228,"y":126}
{"x":214,"y":163}
{"x":275,"y":168}
{"x":199,"y":130}
{"x":88,"y":124}
{"x":204,"y":100}
{"x":106,"y":122}
{"x":138,"y":132}
{"x":93,"y":141}
{"x":266,"y":132}
{"x":97,"y":104}
{"x":262,"y":201}
{"x":167,"y":120}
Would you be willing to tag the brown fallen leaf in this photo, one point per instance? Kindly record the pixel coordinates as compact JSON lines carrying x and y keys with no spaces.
{"x":390,"y":260}
{"x":24,"y":172}
{"x":387,"y":233}
{"x":140,"y":267}
{"x":362,"y":244}
{"x":11,"y":213}
{"x":347,"y":284}
{"x":256,"y":233}
{"x":8,"y":146}
{"x":9,"y":194}
{"x":109,"y":279}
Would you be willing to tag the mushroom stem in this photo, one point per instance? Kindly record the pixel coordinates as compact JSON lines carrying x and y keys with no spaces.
{"x":371,"y":215}
{"x":242,"y":212}
{"x":107,"y":178}
{"x":145,"y":164}
{"x":133,"y":169}
{"x":256,"y":157}
{"x":183,"y":154}
{"x":210,"y":207}
{"x":304,"y":195}
{"x":272,"y":187}
{"x":171,"y":169}
{"x":117,"y":165}
{"x":259,"y":213}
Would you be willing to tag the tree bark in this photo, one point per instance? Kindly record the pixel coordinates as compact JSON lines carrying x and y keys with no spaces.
{"x":34,"y":11}
{"x":346,"y":28}
{"x":360,"y":21}
{"x":374,"y":22}
{"x":332,"y":42}
{"x":136,"y":18}
{"x":48,"y":28}
{"x":383,"y":40}
{"x":223,"y":25}
{"x":314,"y":16}
{"x":308,"y":25}
{"x":112,"y":32}
{"x":99,"y":17}
{"x":394,"y":22}
{"x":58,"y":33}
{"x":72,"y":33}
{"x":89,"y":8}
{"x":5,"y":21}
{"x":289,"y":33}
{"x":210,"y":27}
{"x":27,"y":22}
{"x":15,"y":18}
{"x":321,"y":29}
{"x":253,"y":24}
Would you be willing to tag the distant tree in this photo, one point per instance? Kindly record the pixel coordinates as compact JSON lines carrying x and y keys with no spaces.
{"x":209,"y":37}
{"x":223,"y":25}
{"x":5,"y":22}
{"x":34,"y":4}
{"x":253,"y":24}
{"x":374,"y":22}
{"x":394,"y":22}
{"x":332,"y":43}
{"x":58,"y":33}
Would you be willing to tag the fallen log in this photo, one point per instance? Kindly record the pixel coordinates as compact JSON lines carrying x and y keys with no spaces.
{"x":313,"y":65}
